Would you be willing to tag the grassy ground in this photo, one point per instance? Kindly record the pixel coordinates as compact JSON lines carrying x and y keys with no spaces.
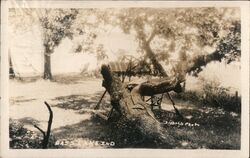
{"x":76,"y":125}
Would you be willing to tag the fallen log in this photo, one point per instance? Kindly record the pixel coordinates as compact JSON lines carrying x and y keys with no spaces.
{"x":129,"y":103}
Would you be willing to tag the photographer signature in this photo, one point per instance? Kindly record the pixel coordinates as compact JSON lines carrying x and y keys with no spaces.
{"x":179,"y":123}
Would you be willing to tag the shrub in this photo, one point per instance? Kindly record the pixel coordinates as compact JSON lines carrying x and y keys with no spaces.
{"x":192,"y":96}
{"x":218,"y":96}
{"x":212,"y":94}
{"x":22,"y":138}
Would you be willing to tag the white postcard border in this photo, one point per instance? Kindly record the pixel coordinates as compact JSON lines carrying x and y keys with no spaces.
{"x":6,"y":152}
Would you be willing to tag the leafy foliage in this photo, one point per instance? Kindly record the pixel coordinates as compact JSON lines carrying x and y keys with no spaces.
{"x":191,"y":37}
{"x":56,"y":25}
{"x":213,"y":94}
{"x":228,"y":50}
{"x":87,"y":28}
{"x":229,"y":46}
{"x":185,"y":35}
{"x":22,"y":138}
{"x":216,"y":95}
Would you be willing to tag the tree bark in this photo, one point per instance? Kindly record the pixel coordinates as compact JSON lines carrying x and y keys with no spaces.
{"x":202,"y":61}
{"x":159,"y":70}
{"x":159,"y":86}
{"x":46,"y":139}
{"x":47,"y":67}
{"x":157,"y":66}
{"x":151,"y":55}
{"x":130,"y":105}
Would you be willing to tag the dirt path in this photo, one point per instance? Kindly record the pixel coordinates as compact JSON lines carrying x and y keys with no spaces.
{"x":26,"y":101}
{"x":27,"y":106}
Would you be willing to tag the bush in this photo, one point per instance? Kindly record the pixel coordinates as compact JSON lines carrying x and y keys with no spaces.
{"x":192,"y":96}
{"x":218,"y":96}
{"x":22,"y":138}
{"x":212,"y":94}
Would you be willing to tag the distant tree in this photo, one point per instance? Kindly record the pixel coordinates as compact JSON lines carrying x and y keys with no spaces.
{"x":89,"y":24}
{"x":55,"y":25}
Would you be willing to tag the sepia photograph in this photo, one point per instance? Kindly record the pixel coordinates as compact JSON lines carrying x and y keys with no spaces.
{"x":125,"y":78}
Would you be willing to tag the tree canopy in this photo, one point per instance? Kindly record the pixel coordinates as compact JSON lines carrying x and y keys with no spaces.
{"x":184,"y":39}
{"x":184,"y":35}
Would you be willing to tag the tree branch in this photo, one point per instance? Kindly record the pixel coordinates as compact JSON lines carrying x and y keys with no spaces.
{"x":203,"y":60}
{"x":46,"y":139}
{"x":44,"y":135}
{"x":151,"y":37}
{"x":161,"y":86}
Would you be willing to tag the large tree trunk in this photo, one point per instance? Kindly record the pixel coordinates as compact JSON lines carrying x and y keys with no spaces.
{"x":47,"y":67}
{"x":157,"y":66}
{"x":129,"y":104}
{"x":151,"y":55}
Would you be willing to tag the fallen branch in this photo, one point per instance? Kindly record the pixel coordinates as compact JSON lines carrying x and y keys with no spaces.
{"x":46,"y":135}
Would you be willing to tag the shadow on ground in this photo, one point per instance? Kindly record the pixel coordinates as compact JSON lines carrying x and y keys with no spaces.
{"x":99,"y":130}
{"x":81,"y":102}
{"x":202,"y":127}
{"x":208,"y":128}
{"x":20,"y":99}
{"x":71,"y":79}
{"x":28,"y":121}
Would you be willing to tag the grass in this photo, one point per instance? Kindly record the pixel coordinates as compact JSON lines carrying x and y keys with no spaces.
{"x":218,"y":129}
{"x":215,"y":131}
{"x":212,"y":99}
